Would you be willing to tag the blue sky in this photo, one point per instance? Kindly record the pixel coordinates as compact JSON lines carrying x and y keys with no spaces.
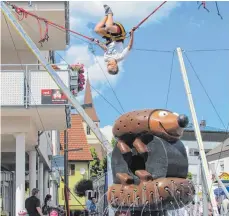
{"x":143,"y":81}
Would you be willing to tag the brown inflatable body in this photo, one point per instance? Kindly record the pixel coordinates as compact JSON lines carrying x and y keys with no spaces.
{"x":149,"y":163}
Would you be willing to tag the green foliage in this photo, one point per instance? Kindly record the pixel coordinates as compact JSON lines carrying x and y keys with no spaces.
{"x":103,"y":164}
{"x":189,"y":176}
{"x":95,"y":167}
{"x":82,"y":186}
{"x":113,"y":142}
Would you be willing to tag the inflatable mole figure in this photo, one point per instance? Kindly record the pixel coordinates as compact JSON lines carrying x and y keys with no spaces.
{"x":149,"y":163}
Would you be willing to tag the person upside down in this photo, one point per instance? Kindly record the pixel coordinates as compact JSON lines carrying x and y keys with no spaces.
{"x":114,"y":33}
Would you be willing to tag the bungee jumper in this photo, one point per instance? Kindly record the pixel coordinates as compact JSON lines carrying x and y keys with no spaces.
{"x":114,"y":33}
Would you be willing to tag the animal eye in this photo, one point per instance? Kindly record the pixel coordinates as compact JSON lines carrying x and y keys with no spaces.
{"x":176,"y":114}
{"x":163,"y":113}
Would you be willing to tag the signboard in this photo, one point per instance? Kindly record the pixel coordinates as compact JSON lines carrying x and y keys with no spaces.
{"x":224,"y":176}
{"x":53,"y":96}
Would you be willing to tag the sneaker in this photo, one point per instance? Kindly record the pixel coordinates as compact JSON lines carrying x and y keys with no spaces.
{"x":107,"y":10}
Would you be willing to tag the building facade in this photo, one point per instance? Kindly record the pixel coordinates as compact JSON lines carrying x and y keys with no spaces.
{"x":219,"y":158}
{"x":78,"y":162}
{"x":91,"y":111}
{"x":28,"y":122}
{"x":211,"y":137}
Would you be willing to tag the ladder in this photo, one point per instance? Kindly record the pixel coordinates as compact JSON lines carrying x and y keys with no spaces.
{"x":32,"y":46}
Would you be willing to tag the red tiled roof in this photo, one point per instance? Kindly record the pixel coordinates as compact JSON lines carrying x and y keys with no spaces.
{"x":77,"y":139}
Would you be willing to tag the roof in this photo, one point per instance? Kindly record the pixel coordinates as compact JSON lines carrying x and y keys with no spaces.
{"x":220,"y":148}
{"x":205,"y":129}
{"x":77,"y":139}
{"x":90,"y":110}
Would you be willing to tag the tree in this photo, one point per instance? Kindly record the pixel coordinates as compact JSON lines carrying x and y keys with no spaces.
{"x":82,"y":186}
{"x":103,"y":164}
{"x":95,"y":165}
{"x":189,"y":176}
{"x":113,"y":142}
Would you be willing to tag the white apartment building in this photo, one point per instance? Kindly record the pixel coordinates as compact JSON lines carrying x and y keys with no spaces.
{"x":31,"y":119}
{"x":219,"y":158}
{"x":211,"y":137}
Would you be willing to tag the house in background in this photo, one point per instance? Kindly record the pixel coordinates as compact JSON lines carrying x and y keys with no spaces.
{"x":219,"y":157}
{"x":78,"y":167}
{"x":26,"y":121}
{"x":211,"y":137}
{"x":90,"y":110}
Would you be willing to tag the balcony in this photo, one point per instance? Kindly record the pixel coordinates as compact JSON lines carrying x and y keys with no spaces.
{"x":56,"y":12}
{"x":30,"y":95}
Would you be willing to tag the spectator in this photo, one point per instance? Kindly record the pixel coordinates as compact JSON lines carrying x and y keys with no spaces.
{"x":32,"y":204}
{"x":225,"y":204}
{"x":91,"y":206}
{"x":47,"y":204}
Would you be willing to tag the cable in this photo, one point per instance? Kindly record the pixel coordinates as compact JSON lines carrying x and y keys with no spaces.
{"x":109,"y":83}
{"x":55,"y":51}
{"x":24,"y":13}
{"x":156,"y":9}
{"x":100,"y":68}
{"x":217,"y":8}
{"x":207,"y":50}
{"x":152,"y":50}
{"x":205,"y":90}
{"x":226,"y":128}
{"x":106,"y":100}
{"x":93,"y":87}
{"x":170,"y":78}
{"x":57,"y":167}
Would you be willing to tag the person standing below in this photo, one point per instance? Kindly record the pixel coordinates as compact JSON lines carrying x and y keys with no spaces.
{"x":32,"y":204}
{"x":91,"y":206}
{"x":47,"y":204}
{"x":225,"y":205}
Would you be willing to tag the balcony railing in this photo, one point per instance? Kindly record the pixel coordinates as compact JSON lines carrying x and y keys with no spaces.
{"x":23,"y":87}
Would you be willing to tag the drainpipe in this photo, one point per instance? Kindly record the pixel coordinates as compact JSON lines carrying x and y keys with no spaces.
{"x":38,"y":158}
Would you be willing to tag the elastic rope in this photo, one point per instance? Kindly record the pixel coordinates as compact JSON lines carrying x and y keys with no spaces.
{"x":21,"y":10}
{"x":137,"y":26}
{"x":25,"y":13}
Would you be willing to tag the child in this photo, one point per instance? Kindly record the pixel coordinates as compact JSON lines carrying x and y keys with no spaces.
{"x":115,"y":34}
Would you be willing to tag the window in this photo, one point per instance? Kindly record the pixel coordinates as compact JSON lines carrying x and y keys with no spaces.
{"x":71,"y":169}
{"x":221,"y":166}
{"x":193,"y":152}
{"x":88,"y":130}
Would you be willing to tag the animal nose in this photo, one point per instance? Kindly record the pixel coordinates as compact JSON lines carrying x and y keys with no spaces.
{"x":182,"y":121}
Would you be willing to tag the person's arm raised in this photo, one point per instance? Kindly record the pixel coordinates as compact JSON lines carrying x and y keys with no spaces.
{"x":130,"y":45}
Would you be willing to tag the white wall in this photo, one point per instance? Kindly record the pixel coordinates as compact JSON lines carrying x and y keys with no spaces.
{"x":45,"y":147}
{"x":221,"y":165}
{"x":56,"y":142}
{"x":91,"y":138}
{"x":10,"y":56}
{"x":207,"y":145}
{"x":194,"y":160}
{"x":41,"y":6}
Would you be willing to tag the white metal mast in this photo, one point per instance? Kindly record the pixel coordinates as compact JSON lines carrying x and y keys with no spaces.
{"x":206,"y":174}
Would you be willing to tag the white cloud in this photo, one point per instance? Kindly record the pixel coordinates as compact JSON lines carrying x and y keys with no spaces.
{"x":127,"y":12}
{"x":107,"y":132}
{"x":95,"y":68}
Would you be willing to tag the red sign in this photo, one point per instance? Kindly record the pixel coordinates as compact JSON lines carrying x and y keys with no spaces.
{"x":53,"y":96}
